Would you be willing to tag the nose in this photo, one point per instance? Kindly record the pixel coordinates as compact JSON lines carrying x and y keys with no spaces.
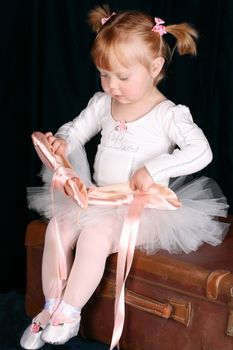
{"x":112,"y":83}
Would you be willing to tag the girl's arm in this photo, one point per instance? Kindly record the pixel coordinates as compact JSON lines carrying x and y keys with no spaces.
{"x":85,"y":125}
{"x":193,"y":152}
{"x":71,"y":137}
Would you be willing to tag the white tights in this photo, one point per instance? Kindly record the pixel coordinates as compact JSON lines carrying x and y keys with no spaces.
{"x":94,"y":244}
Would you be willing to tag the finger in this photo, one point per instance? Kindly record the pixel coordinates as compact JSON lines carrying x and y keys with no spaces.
{"x":145,"y":188}
{"x":60,"y":149}
{"x":59,"y":146}
{"x":51,"y":140}
{"x":132,"y":185}
{"x":55,"y":144}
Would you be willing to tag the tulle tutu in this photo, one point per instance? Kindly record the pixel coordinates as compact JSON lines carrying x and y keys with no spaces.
{"x":181,"y":230}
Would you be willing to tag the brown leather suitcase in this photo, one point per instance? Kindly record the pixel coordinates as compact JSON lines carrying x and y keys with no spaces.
{"x":173,"y":302}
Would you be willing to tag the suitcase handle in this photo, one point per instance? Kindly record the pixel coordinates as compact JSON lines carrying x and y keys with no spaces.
{"x":148,"y":305}
{"x":177,"y":310}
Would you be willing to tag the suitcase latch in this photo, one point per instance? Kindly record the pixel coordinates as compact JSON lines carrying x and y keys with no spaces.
{"x":213,"y":283}
{"x":230,"y":318}
{"x":212,"y":292}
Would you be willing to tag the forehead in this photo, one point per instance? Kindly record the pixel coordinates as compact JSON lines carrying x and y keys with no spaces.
{"x":121,"y":70}
{"x":124,"y":54}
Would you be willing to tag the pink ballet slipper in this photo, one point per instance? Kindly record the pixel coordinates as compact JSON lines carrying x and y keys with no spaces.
{"x":63,"y":325}
{"x":60,"y":332}
{"x":65,"y":179}
{"x":31,"y":338}
{"x":46,"y":153}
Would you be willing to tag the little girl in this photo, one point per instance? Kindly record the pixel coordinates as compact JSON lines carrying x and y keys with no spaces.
{"x":145,"y":139}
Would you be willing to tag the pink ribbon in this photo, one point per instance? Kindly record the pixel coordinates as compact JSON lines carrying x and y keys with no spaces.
{"x":66,"y":180}
{"x":159,"y":27}
{"x":124,"y":262}
{"x":158,"y":197}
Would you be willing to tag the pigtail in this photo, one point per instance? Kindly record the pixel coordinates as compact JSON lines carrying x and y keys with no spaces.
{"x":185,"y":37}
{"x":96,"y":15}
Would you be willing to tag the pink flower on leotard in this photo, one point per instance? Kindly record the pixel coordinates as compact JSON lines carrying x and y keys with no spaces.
{"x":121,"y":126}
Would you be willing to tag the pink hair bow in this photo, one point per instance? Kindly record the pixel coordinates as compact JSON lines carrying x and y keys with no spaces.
{"x":159,"y":27}
{"x":105,"y":19}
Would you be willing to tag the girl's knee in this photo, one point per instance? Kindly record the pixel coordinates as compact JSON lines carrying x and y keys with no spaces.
{"x":96,"y":240}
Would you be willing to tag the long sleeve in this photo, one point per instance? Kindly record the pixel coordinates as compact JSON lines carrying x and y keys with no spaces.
{"x":193,"y":152}
{"x":86,"y":124}
{"x":77,"y":132}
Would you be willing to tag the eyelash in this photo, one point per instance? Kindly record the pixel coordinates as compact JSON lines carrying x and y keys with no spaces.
{"x":105,"y":76}
{"x":102,"y":75}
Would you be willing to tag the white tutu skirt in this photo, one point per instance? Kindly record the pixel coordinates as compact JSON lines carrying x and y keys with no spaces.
{"x":177,"y":231}
{"x":181,"y":230}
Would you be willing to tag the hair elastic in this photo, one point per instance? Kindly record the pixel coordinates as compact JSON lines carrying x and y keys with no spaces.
{"x":159,"y":27}
{"x":105,"y":19}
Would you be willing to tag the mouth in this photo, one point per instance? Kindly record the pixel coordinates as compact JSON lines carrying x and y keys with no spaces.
{"x":117,"y":96}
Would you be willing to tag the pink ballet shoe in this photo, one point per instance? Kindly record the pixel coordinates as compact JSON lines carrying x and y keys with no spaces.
{"x":66,"y":179}
{"x":60,"y":333}
{"x":31,"y":338}
{"x":46,"y":153}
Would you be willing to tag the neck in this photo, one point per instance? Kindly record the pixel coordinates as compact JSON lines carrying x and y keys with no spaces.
{"x":133,"y":111}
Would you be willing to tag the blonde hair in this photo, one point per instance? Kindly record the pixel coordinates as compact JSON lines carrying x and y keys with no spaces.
{"x":121,"y":28}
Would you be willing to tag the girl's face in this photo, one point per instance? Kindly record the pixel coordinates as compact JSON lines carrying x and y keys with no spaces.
{"x":130,"y":84}
{"x":127,"y":85}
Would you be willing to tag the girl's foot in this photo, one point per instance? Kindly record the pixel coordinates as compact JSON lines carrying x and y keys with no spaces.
{"x":31,"y":338}
{"x":63,"y":325}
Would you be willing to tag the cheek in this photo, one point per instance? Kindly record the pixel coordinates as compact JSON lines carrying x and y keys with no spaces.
{"x":133,"y":90}
{"x":141,"y":86}
{"x":104,"y":84}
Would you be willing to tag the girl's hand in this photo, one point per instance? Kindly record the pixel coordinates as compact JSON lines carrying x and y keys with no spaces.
{"x":141,"y":180}
{"x":59,"y":145}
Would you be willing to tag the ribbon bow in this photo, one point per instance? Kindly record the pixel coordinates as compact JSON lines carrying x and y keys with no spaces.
{"x":159,"y":27}
{"x":67,"y":181}
{"x":105,"y":19}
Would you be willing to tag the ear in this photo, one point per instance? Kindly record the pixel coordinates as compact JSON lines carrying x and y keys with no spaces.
{"x":156,"y":66}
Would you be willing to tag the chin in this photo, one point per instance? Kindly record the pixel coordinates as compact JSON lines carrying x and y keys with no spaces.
{"x":121,"y":99}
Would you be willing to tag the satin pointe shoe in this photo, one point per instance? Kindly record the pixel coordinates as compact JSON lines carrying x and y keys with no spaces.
{"x":60,"y":333}
{"x":63,"y":325}
{"x":46,"y":153}
{"x":66,"y":179}
{"x":31,"y":338}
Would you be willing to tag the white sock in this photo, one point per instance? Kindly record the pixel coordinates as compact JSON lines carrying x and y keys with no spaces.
{"x":49,"y":307}
{"x":65,"y":313}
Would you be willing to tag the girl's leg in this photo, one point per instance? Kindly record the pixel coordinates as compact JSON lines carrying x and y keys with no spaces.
{"x":52,"y":285}
{"x":94,"y":245}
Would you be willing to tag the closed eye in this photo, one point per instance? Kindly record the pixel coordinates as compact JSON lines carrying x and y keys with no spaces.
{"x":103,"y":75}
{"x":123,"y":78}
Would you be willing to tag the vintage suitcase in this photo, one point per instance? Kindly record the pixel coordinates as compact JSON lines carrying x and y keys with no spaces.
{"x":173,"y":302}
